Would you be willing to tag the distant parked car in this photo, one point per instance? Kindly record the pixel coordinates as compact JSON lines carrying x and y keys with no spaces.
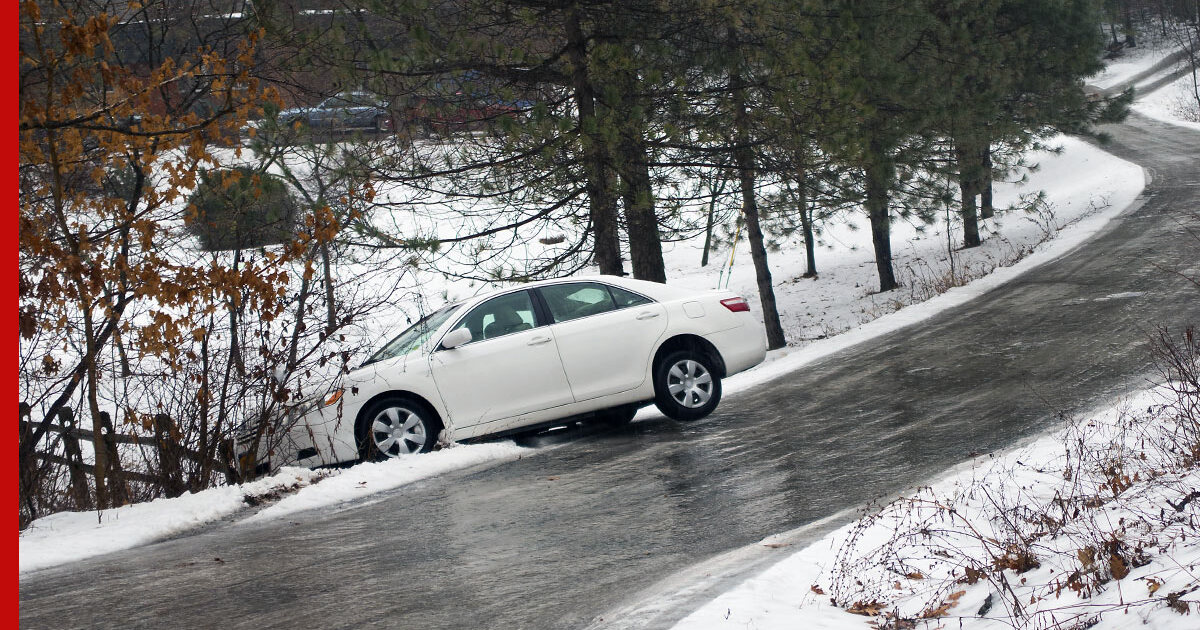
{"x":533,"y":356}
{"x":467,"y":102}
{"x":343,"y":111}
{"x":460,"y":114}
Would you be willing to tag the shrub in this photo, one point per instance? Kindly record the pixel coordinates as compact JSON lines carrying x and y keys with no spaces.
{"x":241,"y":208}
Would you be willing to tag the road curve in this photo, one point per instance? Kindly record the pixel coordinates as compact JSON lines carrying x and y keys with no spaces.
{"x":571,"y":535}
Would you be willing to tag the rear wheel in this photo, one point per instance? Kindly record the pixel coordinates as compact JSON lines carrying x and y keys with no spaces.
{"x":395,"y":427}
{"x":686,"y":385}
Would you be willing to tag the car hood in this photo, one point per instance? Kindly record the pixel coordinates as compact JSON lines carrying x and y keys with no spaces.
{"x":380,"y":370}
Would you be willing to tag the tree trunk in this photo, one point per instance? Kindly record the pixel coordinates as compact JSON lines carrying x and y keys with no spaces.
{"x":1130,"y":41}
{"x":167,"y":448}
{"x":92,"y":399}
{"x":235,"y":308}
{"x":744,"y":156}
{"x":969,"y":214}
{"x":968,"y":177}
{"x":986,"y":209}
{"x":758,"y":253}
{"x":645,"y":247}
{"x":222,"y":419}
{"x":204,"y":400}
{"x":599,"y":180}
{"x":708,"y":226}
{"x":331,"y":323}
{"x":79,"y":485}
{"x":879,"y":173}
{"x":118,"y":493}
{"x":708,"y":230}
{"x":806,"y":223}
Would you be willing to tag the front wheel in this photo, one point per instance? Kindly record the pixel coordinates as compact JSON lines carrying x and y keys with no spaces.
{"x":396,"y":427}
{"x":686,"y":387}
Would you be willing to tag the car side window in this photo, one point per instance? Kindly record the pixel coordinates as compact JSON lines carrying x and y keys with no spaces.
{"x":575,"y":300}
{"x":625,"y":299}
{"x":499,"y":316}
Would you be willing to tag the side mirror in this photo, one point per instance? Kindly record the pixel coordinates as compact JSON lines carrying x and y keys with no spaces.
{"x":456,"y":338}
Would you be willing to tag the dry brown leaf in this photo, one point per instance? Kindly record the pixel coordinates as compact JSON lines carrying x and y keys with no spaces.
{"x":870,"y":609}
{"x":1153,"y":585}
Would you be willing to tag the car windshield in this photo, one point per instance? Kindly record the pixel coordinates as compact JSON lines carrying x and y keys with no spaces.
{"x":412,"y":338}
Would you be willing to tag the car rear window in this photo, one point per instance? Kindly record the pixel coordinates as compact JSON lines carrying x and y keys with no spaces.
{"x":625,"y":299}
{"x":575,"y":300}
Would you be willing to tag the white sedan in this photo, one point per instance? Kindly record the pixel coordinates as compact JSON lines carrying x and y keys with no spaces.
{"x":531,"y":356}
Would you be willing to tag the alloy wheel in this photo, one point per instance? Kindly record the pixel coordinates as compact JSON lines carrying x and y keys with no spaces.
{"x":398,"y":431}
{"x":689,"y":383}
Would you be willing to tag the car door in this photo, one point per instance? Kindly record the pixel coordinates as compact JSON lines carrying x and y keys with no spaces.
{"x":605,"y":335}
{"x":320,"y":116}
{"x":510,"y":367}
{"x":335,"y":112}
{"x":358,"y":110}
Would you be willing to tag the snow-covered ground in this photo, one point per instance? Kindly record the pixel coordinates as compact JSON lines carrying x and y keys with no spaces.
{"x":1144,"y":66}
{"x":1174,"y":103}
{"x":1084,"y":502}
{"x":1131,"y":63}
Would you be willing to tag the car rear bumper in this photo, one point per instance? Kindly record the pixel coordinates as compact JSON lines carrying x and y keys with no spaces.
{"x":742,"y":347}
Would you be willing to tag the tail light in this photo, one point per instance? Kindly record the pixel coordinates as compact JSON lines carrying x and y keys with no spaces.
{"x":736,"y":304}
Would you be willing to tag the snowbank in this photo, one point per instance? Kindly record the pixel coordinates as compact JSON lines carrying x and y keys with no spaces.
{"x":365,"y":479}
{"x":1171,"y":103}
{"x":951,"y":552}
{"x":1132,"y":65}
{"x":70,"y":536}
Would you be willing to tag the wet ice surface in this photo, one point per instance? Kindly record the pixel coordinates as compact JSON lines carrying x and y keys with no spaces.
{"x":1128,"y":295}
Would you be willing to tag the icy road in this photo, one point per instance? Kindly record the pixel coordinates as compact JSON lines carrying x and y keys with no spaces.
{"x":635,"y":528}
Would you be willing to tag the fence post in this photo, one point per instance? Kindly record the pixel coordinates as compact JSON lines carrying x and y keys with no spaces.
{"x":117,"y":491}
{"x":80,"y":490}
{"x":169,"y":469}
{"x":27,"y":462}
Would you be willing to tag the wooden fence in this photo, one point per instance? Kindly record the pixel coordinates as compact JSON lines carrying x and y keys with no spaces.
{"x":168,"y":455}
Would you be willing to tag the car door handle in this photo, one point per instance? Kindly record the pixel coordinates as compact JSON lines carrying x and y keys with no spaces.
{"x":537,"y":341}
{"x":647,"y":315}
